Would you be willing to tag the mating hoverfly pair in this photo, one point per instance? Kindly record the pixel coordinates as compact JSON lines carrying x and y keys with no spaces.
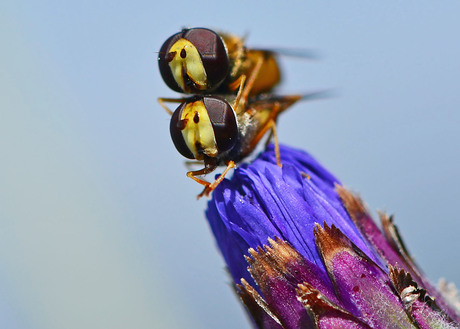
{"x":230,"y":109}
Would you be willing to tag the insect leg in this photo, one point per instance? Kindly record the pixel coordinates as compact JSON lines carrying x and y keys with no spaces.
{"x":242,"y":80}
{"x":270,"y":124}
{"x":245,"y":88}
{"x":252,"y":79}
{"x":162,"y":102}
{"x":204,"y":171}
{"x":210,"y":187}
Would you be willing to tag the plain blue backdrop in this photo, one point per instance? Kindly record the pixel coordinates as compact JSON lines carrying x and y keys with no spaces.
{"x":99,"y":227}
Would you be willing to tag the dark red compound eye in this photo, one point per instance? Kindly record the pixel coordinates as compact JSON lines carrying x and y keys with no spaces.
{"x":223,"y":120}
{"x":213,"y":54}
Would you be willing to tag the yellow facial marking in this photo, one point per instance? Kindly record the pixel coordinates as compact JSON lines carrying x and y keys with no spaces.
{"x":198,"y":130}
{"x":187,"y":59}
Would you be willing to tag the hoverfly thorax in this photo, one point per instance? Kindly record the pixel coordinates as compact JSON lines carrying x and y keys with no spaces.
{"x":194,"y":61}
{"x":204,"y":127}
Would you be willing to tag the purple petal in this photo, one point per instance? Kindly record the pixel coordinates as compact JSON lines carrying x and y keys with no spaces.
{"x":260,"y":311}
{"x":270,"y":269}
{"x":325,"y":313}
{"x":420,"y":307}
{"x":264,"y":201}
{"x":360,"y":283}
{"x":389,"y":245}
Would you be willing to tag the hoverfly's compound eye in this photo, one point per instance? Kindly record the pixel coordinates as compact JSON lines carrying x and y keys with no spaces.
{"x":194,"y":61}
{"x":204,"y":126}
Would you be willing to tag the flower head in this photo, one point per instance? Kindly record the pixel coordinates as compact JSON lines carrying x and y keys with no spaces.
{"x":304,"y":252}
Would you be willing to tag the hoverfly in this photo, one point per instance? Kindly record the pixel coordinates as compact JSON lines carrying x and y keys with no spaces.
{"x":201,"y":61}
{"x":223,"y":130}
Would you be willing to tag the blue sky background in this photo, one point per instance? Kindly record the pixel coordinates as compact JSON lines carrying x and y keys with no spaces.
{"x":99,"y":227}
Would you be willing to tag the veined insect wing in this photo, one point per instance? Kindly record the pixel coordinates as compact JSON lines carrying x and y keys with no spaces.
{"x":301,"y":53}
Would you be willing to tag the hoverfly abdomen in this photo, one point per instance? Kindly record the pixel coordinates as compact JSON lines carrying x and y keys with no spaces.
{"x":243,"y":61}
{"x":194,"y":61}
{"x":204,"y":127}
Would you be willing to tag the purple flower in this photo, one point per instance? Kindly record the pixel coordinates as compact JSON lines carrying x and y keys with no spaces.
{"x":304,"y":253}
